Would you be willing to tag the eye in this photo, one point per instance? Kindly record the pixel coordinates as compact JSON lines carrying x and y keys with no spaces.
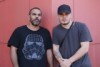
{"x":34,"y":14}
{"x":39,"y":14}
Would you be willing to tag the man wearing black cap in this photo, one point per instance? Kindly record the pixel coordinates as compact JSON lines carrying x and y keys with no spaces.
{"x":71,"y":40}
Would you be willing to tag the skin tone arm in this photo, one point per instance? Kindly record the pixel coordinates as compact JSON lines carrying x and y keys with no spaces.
{"x":58,"y":55}
{"x":50,"y":57}
{"x":14,"y":56}
{"x":67,"y":62}
{"x":81,"y":52}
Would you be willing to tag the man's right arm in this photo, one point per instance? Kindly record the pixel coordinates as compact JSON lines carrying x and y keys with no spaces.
{"x":57,"y":53}
{"x":14,"y":56}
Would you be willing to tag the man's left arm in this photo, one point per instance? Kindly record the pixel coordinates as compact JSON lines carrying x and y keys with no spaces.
{"x":85,"y":40}
{"x":81,"y":52}
{"x":50,"y":57}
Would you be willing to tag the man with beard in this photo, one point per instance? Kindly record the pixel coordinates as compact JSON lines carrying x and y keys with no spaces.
{"x":31,"y":44}
{"x":71,"y":44}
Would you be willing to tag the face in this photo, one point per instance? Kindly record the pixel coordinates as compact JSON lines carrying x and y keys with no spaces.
{"x":35,"y":17}
{"x":64,"y":18}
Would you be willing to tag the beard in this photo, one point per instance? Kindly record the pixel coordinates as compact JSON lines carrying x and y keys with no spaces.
{"x":35,"y":22}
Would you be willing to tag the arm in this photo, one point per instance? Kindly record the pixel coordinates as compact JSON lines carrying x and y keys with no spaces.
{"x":14,"y":56}
{"x":58,"y":56}
{"x":57,"y":53}
{"x":50,"y":57}
{"x":81,"y":52}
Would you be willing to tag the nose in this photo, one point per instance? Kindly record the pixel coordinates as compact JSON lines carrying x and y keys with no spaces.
{"x":37,"y":16}
{"x":64,"y":17}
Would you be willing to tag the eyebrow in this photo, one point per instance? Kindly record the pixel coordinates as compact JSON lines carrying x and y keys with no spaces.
{"x":37,"y":14}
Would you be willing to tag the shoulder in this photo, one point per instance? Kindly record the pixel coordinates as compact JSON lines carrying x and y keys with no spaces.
{"x":56,"y":28}
{"x":80,"y":24}
{"x":20,"y":28}
{"x":44,"y":30}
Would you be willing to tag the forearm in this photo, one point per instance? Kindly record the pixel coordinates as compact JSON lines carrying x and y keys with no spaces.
{"x":63,"y":62}
{"x":81,"y":52}
{"x":57,"y":53}
{"x":50,"y":57}
{"x":14,"y":58}
{"x":58,"y":56}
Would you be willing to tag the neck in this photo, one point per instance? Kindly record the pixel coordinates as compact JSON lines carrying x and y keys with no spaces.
{"x":33,"y":28}
{"x":67,"y":26}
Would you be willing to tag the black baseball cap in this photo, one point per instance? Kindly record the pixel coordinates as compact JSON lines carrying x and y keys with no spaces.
{"x":64,"y":8}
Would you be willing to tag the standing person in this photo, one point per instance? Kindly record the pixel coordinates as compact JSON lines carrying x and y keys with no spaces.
{"x":71,"y":40}
{"x":31,"y":44}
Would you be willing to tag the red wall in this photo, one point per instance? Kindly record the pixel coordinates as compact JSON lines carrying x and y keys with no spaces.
{"x":14,"y":13}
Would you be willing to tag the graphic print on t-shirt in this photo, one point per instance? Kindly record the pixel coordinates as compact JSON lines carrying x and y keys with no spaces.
{"x":33,"y":47}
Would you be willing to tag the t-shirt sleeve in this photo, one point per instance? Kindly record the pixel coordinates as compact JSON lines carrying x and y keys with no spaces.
{"x":49,"y":41}
{"x":55,"y":37}
{"x":14,"y":39}
{"x":85,"y":34}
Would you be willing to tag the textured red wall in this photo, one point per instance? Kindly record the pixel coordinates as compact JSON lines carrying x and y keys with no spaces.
{"x":14,"y":13}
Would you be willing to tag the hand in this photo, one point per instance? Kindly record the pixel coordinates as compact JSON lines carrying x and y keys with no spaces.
{"x":68,"y":62}
{"x":65,"y":63}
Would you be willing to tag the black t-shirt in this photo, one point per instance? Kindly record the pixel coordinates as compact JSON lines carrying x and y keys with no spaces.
{"x":77,"y":34}
{"x":32,"y":46}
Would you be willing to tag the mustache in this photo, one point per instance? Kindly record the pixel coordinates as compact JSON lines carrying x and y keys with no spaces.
{"x":36,"y":18}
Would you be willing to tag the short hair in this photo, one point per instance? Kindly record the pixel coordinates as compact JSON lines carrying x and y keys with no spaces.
{"x":34,"y":8}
